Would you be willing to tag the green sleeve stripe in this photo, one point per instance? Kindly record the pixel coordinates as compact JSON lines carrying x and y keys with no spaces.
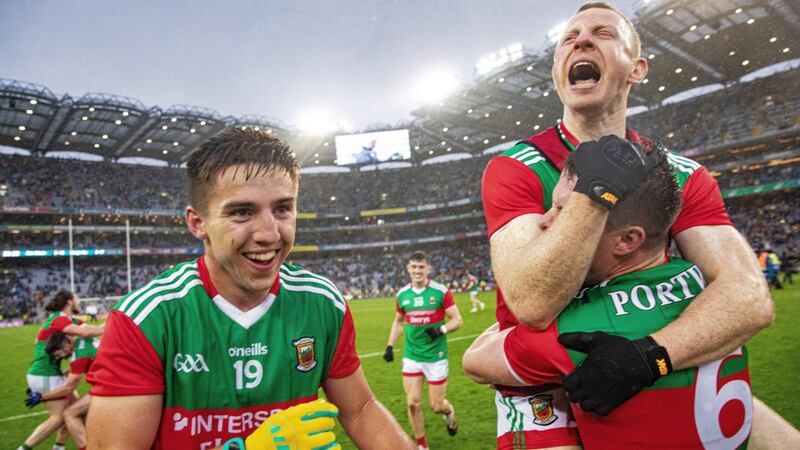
{"x":680,"y":165}
{"x":131,"y":309}
{"x":525,"y":148}
{"x":533,"y":161}
{"x":528,"y":152}
{"x":687,"y":161}
{"x":163,"y":298}
{"x":308,"y":276}
{"x":305,"y":288}
{"x":158,"y":281}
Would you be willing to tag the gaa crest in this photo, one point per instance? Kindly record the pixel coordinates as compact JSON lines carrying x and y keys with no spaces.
{"x":306,"y":357}
{"x":543,"y":411}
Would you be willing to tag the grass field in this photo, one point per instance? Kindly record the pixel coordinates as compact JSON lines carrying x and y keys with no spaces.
{"x":774,"y":368}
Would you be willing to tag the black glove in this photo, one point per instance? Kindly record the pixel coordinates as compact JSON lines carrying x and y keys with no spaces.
{"x":615,"y":369}
{"x":611,"y":167}
{"x":33,"y":398}
{"x":388,"y":356}
{"x":433,"y":332}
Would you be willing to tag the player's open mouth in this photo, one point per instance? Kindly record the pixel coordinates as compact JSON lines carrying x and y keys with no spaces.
{"x":261,"y":258}
{"x":584,"y":73}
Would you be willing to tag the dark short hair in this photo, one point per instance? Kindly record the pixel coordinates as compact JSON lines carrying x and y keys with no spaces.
{"x":55,"y":342}
{"x":419,"y":256}
{"x":59,"y":300}
{"x":256,"y":151}
{"x":653,"y":205}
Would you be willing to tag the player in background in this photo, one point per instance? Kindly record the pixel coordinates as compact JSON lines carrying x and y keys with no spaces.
{"x":44,"y":374}
{"x":208,"y":353}
{"x":596,"y":62}
{"x":474,"y":289}
{"x":422,"y":306}
{"x":61,"y":346}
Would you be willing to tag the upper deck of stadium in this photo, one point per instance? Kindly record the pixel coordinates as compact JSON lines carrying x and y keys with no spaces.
{"x":692,"y":46}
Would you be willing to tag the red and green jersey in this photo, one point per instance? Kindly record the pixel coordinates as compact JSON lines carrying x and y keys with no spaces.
{"x":706,"y":407}
{"x":473,"y":283}
{"x":222,"y":371}
{"x":83,"y":355}
{"x":424,"y":308}
{"x":43,"y":364}
{"x":521,"y":181}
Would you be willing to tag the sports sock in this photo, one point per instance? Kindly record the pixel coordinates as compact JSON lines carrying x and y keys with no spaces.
{"x":24,"y":447}
{"x":422,"y":442}
{"x":59,"y":446}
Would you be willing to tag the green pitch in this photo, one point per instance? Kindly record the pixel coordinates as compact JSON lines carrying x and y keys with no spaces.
{"x":774,"y":366}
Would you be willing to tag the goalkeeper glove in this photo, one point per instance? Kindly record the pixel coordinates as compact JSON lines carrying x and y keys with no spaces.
{"x":611,"y":167}
{"x":435,"y":332}
{"x":33,"y":398}
{"x":388,"y":356}
{"x":615,"y":369}
{"x":305,"y":426}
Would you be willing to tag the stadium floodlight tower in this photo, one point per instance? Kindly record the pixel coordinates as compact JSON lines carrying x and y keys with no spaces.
{"x":27,"y":111}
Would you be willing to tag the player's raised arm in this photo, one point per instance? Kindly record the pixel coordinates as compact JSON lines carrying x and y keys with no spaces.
{"x":734,"y":307}
{"x":368,"y":423}
{"x":84,"y":331}
{"x":124,"y":423}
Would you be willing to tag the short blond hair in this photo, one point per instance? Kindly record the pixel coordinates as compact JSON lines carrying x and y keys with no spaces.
{"x":637,"y":43}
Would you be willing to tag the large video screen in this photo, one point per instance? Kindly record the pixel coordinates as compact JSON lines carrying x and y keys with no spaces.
{"x":370,"y":148}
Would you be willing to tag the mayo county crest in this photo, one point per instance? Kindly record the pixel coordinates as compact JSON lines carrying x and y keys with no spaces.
{"x":306,"y":357}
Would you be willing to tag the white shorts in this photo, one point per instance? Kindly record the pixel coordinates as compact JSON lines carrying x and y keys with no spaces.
{"x":535,"y":421}
{"x":435,"y":372}
{"x":45,"y":383}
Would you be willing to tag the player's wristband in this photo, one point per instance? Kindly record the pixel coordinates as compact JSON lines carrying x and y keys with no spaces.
{"x":443,"y":329}
{"x":655,"y":356}
{"x":234,"y":444}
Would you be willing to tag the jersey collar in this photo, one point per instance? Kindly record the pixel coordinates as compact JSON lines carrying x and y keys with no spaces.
{"x":212,"y":290}
{"x":571,"y":142}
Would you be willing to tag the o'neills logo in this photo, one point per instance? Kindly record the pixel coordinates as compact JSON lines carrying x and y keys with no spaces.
{"x":255,"y":349}
{"x":306,"y":357}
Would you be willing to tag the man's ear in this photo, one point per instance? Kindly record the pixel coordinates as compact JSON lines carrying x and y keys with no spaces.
{"x":639,"y":72}
{"x":195,"y":222}
{"x":629,"y":239}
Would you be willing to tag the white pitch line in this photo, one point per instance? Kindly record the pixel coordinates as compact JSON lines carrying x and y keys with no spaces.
{"x":459,"y":338}
{"x":22,"y":416}
{"x":367,"y":355}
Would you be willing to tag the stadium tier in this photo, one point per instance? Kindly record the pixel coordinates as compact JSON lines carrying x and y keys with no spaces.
{"x":716,"y":92}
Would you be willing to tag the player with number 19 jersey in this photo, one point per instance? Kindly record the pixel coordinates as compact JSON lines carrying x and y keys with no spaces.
{"x":223,"y":371}
{"x":708,"y":407}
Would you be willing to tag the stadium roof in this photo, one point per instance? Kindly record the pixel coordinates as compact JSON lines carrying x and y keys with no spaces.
{"x":688,"y":43}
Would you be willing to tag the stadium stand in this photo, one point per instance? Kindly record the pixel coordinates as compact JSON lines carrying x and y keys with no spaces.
{"x":357,"y":227}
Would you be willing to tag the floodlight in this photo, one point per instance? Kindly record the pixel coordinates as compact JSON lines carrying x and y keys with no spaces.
{"x":556,"y":31}
{"x":435,"y":86}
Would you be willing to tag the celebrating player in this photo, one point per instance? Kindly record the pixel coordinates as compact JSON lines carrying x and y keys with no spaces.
{"x":44,"y":374}
{"x":208,"y":351}
{"x":474,"y":289}
{"x":422,"y":306}
{"x":635,"y":291}
{"x":61,"y":346}
{"x":597,"y":61}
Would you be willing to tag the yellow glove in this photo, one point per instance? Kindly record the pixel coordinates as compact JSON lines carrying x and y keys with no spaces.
{"x":308,"y":426}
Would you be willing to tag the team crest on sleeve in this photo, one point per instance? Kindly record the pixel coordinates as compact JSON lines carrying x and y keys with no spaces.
{"x":432,"y":300}
{"x":306,"y":357}
{"x":543,"y":411}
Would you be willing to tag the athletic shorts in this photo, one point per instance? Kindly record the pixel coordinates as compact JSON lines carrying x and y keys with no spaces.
{"x":435,"y":372}
{"x":535,"y":421}
{"x":45,"y":383}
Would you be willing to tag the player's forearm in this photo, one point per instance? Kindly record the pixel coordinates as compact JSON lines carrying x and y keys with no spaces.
{"x":722,"y":318}
{"x":397,"y":328}
{"x":540,"y":271}
{"x":63,"y":391}
{"x":88,"y":331}
{"x":454,"y":324}
{"x":373,"y":427}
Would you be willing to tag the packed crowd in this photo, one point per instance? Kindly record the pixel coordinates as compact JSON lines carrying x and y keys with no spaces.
{"x":739,"y":112}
